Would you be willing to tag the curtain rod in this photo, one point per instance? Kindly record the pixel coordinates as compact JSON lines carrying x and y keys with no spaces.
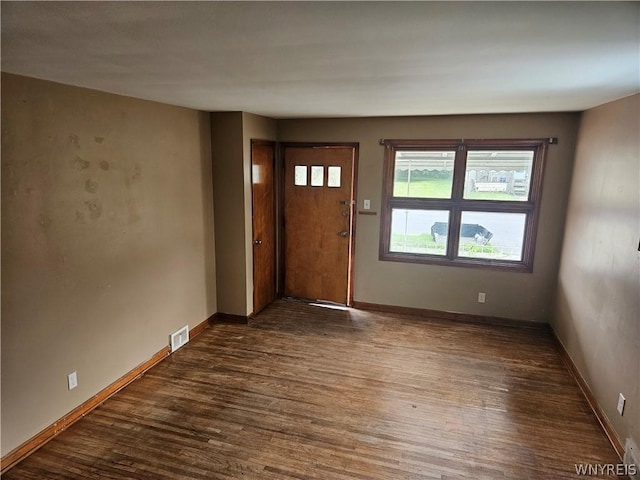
{"x":548,"y":140}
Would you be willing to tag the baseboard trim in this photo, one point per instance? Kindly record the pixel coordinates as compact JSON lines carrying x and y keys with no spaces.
{"x":602,"y":418}
{"x":230,"y":318}
{"x":34,"y":443}
{"x":452,"y":316}
{"x":201,"y":327}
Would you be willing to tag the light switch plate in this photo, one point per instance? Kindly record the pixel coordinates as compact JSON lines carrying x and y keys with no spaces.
{"x":72,"y":380}
{"x":621,"y":401}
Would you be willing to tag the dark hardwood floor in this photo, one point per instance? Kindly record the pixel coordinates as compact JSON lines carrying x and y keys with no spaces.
{"x":311,"y":392}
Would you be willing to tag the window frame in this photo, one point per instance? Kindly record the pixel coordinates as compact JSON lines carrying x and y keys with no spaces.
{"x":457,"y":204}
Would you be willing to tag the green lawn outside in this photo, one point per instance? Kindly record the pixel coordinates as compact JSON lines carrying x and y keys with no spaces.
{"x":441,"y":188}
{"x":494,"y":196}
{"x":423,"y":243}
{"x":432,"y":188}
{"x":423,"y":240}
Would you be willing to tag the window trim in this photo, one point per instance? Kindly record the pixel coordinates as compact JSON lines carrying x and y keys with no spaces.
{"x":457,"y":204}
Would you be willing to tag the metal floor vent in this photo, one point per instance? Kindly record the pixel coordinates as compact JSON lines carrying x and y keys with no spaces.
{"x":179,"y":338}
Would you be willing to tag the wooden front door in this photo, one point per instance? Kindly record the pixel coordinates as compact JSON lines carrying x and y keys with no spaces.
{"x":318,"y":221}
{"x":264,"y":227}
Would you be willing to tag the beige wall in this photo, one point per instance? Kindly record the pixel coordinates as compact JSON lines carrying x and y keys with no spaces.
{"x":107,"y":241}
{"x":597,"y":314}
{"x":229,"y":202}
{"x":254,"y":127}
{"x":232,"y":133}
{"x":526,"y":296}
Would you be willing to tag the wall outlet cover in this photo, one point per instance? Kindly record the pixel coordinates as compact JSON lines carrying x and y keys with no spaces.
{"x":621,"y":402}
{"x":72,"y":380}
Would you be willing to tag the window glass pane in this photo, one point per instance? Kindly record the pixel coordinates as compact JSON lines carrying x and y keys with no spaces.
{"x":300,"y":175}
{"x":498,"y":175}
{"x":333,"y":176}
{"x":419,"y":231}
{"x":498,"y":236}
{"x":427,"y":174}
{"x":317,"y":176}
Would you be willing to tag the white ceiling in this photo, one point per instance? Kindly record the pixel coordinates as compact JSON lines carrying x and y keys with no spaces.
{"x":319,"y":59}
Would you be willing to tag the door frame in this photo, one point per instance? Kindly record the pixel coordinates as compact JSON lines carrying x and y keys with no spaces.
{"x":266,"y":143}
{"x":282,"y":146}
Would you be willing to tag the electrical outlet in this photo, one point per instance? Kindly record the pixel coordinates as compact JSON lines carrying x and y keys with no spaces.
{"x":367,"y":204}
{"x":621,"y":401}
{"x":482,"y":297}
{"x":72,"y":380}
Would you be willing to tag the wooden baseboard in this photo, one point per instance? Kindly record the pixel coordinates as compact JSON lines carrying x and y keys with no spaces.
{"x":230,"y":318}
{"x":34,"y":443}
{"x":198,"y":329}
{"x":455,"y":317}
{"x":602,"y":418}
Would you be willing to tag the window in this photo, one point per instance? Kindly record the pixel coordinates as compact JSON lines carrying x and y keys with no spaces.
{"x":467,"y":203}
{"x":300,"y":175}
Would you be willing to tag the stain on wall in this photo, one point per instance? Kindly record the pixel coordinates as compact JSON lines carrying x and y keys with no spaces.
{"x":107,"y":241}
{"x":80,"y":163}
{"x":44,"y":222}
{"x":73,"y":139}
{"x":137,"y":173}
{"x":94,"y":207}
{"x":91,"y":186}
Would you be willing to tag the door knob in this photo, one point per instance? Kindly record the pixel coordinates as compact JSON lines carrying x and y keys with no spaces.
{"x":344,"y":233}
{"x":257,"y":242}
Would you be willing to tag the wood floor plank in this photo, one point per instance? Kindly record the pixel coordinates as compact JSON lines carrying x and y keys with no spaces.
{"x":305,"y":392}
